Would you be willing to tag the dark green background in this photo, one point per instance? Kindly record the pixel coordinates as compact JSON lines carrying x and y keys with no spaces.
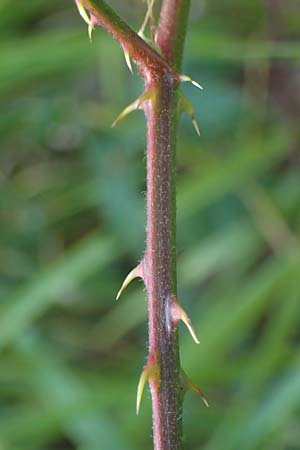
{"x":73,"y":224}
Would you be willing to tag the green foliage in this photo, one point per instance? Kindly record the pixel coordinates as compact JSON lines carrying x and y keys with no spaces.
{"x":72,"y":226}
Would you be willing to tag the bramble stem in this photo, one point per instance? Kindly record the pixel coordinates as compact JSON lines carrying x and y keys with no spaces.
{"x":172,"y":30}
{"x":160,"y":254}
{"x":158,"y":267}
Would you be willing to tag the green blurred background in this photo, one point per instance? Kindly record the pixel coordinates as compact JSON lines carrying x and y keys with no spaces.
{"x":73,"y":224}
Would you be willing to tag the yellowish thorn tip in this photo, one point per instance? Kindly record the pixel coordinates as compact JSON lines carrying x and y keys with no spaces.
{"x":129,"y":109}
{"x":186,"y":320}
{"x":194,"y":122}
{"x":83,"y":12}
{"x":90,"y":30}
{"x":189,"y":385}
{"x":205,"y":401}
{"x":180,"y":314}
{"x":143,"y":379}
{"x":186,"y":106}
{"x":197,"y":84}
{"x":134,"y":105}
{"x":86,"y":18}
{"x":127,"y":59}
{"x":196,"y":389}
{"x":135,"y":273}
{"x":185,"y":78}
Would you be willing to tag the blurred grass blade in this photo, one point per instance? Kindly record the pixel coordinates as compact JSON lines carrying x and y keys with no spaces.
{"x":50,"y":286}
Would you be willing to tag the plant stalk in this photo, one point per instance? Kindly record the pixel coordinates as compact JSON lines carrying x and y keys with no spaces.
{"x":172,"y":30}
{"x":158,"y":267}
{"x":160,"y":257}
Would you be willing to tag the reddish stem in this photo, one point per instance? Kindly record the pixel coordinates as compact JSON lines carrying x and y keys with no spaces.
{"x":147,"y":59}
{"x":160,"y":257}
{"x":158,"y":268}
{"x":160,"y":265}
{"x":172,"y":30}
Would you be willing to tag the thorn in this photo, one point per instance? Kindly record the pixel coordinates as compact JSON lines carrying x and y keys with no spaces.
{"x":90,"y":30}
{"x":135,"y":273}
{"x":188,"y":385}
{"x":186,"y":106}
{"x":85,"y":17}
{"x":151,"y":372}
{"x":185,"y":78}
{"x":178,"y":313}
{"x":142,"y":381}
{"x":82,"y":12}
{"x":195,"y":124}
{"x":197,"y":84}
{"x":129,"y":109}
{"x":127,"y":59}
{"x":196,"y":389}
{"x":187,"y":321}
{"x":133,"y":106}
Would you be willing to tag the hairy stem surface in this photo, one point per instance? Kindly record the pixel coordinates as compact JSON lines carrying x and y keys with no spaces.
{"x":172,"y":30}
{"x":161,"y":234}
{"x":158,"y":267}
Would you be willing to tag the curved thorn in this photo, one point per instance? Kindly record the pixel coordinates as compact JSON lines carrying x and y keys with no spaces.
{"x":135,"y":273}
{"x":151,"y":372}
{"x":195,"y":124}
{"x":90,"y":30}
{"x":82,"y":12}
{"x":196,"y":389}
{"x":129,"y":109}
{"x":186,"y":106}
{"x":187,"y":321}
{"x":196,"y":84}
{"x":204,"y":399}
{"x":127,"y":59}
{"x":142,"y":381}
{"x":185,"y":78}
{"x":134,"y":105}
{"x":178,"y":313}
{"x":86,"y":18}
{"x":189,"y":385}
